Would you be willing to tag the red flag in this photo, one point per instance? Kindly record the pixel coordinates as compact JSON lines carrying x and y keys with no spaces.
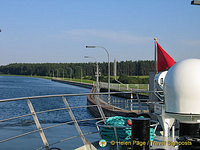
{"x":164,"y":60}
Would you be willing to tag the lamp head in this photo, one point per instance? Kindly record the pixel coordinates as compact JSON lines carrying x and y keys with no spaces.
{"x":90,"y":46}
{"x":195,"y":2}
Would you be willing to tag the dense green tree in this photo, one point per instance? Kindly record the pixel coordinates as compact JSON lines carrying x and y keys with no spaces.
{"x":128,"y":68}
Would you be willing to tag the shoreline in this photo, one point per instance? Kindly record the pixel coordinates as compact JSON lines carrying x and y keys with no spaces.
{"x":90,"y":83}
{"x":81,"y":84}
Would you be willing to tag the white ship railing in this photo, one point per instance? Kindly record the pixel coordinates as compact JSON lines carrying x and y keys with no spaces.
{"x":64,"y":97}
{"x":124,"y":87}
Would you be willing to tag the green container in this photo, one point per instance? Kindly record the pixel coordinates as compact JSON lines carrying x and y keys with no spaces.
{"x":123,"y":130}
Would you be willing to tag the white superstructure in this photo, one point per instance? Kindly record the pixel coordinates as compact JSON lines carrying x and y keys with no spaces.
{"x":159,"y":81}
{"x":182,"y":91}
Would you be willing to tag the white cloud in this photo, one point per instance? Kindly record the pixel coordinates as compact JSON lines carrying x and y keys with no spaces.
{"x":112,"y":36}
{"x":195,"y":43}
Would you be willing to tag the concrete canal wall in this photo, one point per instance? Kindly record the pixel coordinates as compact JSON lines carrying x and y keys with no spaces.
{"x":125,"y":95}
{"x":90,"y":86}
{"x":85,"y":85}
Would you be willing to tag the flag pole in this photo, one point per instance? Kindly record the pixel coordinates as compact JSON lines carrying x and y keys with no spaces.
{"x":156,"y":61}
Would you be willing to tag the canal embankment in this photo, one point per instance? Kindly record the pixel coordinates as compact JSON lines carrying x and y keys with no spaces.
{"x":103,"y":88}
{"x":81,"y":84}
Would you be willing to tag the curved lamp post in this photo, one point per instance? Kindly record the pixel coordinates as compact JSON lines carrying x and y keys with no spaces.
{"x":51,"y":71}
{"x":57,"y":70}
{"x":108,"y":68}
{"x":81,"y":71}
{"x":71,"y":71}
{"x":63,"y":74}
{"x":97,"y":79}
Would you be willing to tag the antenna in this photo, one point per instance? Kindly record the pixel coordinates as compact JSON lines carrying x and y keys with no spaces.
{"x":115,"y":68}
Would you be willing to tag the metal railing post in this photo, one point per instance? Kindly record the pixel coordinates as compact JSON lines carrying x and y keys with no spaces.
{"x":140,"y":105}
{"x":100,"y":108}
{"x":131,"y":101}
{"x":116,"y":137}
{"x":85,"y":141}
{"x":38,"y":125}
{"x":127,"y":103}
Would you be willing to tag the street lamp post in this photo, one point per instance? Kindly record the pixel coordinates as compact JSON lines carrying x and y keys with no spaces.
{"x":63,"y":74}
{"x":81,"y":72}
{"x":108,"y":68}
{"x":70,"y":73}
{"x":97,"y":77}
{"x":57,"y":72}
{"x":53,"y":73}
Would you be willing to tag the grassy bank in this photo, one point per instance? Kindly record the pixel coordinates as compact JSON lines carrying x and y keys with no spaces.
{"x":44,"y":77}
{"x":115,"y":85}
{"x":47,"y":77}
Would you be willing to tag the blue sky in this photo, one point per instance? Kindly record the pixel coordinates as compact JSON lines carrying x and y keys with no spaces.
{"x":38,"y":31}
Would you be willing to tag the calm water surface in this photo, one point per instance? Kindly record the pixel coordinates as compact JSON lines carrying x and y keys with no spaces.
{"x":14,"y":87}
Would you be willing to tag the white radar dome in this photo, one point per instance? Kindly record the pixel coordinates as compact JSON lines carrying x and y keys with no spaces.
{"x":182,"y":90}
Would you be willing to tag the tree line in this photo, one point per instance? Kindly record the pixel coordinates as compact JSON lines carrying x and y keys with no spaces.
{"x":76,"y":70}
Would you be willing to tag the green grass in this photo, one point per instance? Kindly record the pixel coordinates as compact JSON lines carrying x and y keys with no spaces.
{"x":47,"y":77}
{"x":142,"y":77}
{"x":113,"y":77}
{"x":133,"y":86}
{"x":79,"y":80}
{"x":44,"y":77}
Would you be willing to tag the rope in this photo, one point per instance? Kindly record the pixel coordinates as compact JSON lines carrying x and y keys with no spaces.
{"x":123,"y":130}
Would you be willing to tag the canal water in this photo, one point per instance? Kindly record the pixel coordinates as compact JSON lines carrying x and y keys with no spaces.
{"x":14,"y":87}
